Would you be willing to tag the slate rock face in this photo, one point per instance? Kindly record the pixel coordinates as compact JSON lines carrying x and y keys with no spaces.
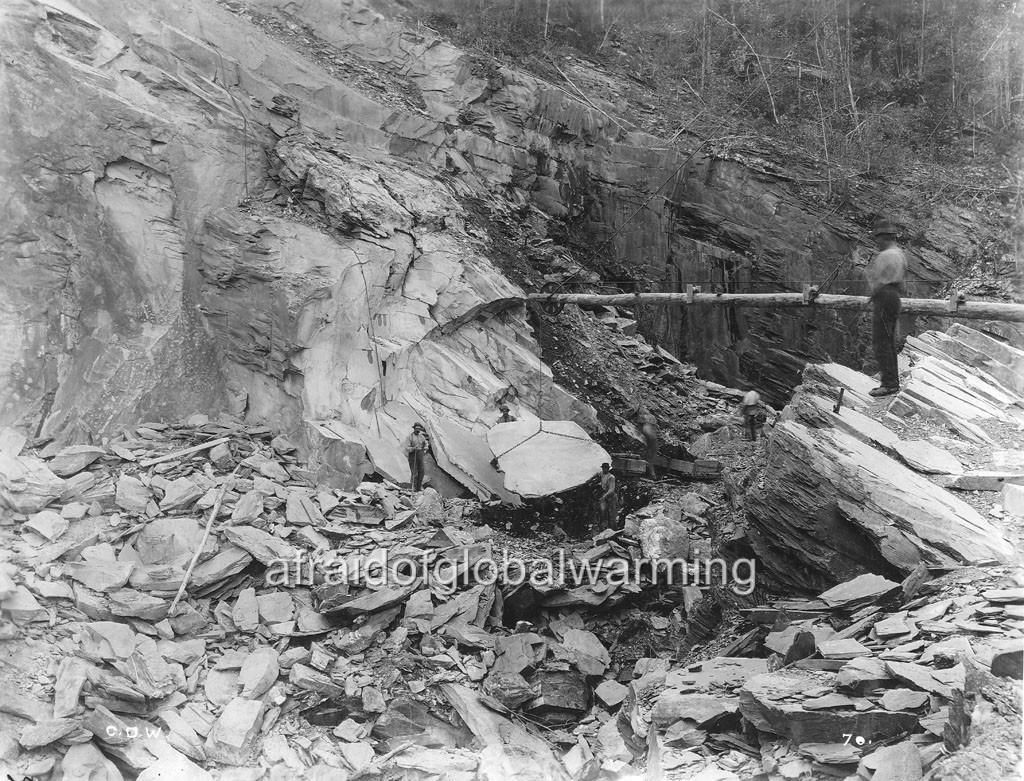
{"x":206,"y":262}
{"x":185,"y":301}
{"x":836,"y":501}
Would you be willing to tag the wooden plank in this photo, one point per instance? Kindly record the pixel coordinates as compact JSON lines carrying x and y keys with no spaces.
{"x":969,"y":310}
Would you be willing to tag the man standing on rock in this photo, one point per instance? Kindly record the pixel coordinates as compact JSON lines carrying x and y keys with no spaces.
{"x":885,"y":276}
{"x":608,"y":501}
{"x":416,"y":445}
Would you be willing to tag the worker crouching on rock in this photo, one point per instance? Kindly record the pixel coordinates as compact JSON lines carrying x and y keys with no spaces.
{"x":505,"y":416}
{"x":416,"y":445}
{"x":608,"y":500}
{"x":885,"y":276}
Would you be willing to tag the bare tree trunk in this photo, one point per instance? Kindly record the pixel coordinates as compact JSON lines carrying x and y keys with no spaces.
{"x":920,"y":50}
{"x":547,"y":15}
{"x":849,"y":65}
{"x":952,"y":56}
{"x":705,"y":46}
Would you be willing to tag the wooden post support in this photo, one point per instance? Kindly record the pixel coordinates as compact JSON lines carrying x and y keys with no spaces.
{"x":691,"y":291}
{"x":955,"y":299}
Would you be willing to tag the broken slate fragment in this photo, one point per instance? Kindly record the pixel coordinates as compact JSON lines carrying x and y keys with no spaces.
{"x":842,"y":649}
{"x":920,"y":676}
{"x":182,"y":651}
{"x":259,"y":672}
{"x":264,"y":547}
{"x":73,"y":459}
{"x":180,"y":494}
{"x":275,"y":607}
{"x":923,"y":456}
{"x":130,"y":603}
{"x":48,"y":524}
{"x":71,"y":677}
{"x":702,"y":709}
{"x":101,"y":576}
{"x":229,"y":561}
{"x":274,"y":471}
{"x":311,"y":680}
{"x":132,"y":495}
{"x":901,"y":762}
{"x":248,"y":508}
{"x":586,"y":651}
{"x":863,"y":674}
{"x":108,"y":640}
{"x":611,"y":693}
{"x":301,"y":511}
{"x":903,"y":699}
{"x":232,"y":735}
{"x":374,"y":601}
{"x":85,"y":761}
{"x":221,"y":686}
{"x":106,"y":727}
{"x":862,"y":588}
{"x":22,"y":607}
{"x":245,"y":613}
{"x":842,"y":753}
{"x":46,"y":732}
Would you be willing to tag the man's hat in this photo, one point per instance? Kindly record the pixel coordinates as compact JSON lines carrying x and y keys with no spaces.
{"x":418,"y":426}
{"x":503,"y":408}
{"x":885,"y":227}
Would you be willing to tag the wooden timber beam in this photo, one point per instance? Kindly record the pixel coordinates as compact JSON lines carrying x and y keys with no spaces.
{"x":953,"y":307}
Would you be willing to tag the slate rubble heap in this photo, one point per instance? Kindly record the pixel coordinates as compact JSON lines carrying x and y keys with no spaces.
{"x":876,"y":677}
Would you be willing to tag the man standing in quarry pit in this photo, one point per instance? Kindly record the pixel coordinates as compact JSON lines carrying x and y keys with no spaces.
{"x":416,"y":445}
{"x":885,"y":276}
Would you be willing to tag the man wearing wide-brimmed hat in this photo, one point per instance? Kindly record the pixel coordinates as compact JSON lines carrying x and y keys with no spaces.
{"x":885,"y":276}
{"x":416,"y":445}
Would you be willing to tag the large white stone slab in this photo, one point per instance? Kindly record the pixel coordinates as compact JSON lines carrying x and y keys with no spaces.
{"x":540,"y":458}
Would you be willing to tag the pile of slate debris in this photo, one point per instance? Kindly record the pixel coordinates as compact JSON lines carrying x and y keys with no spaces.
{"x":268,"y":668}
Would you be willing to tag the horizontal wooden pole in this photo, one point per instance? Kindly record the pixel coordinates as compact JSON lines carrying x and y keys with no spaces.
{"x":971,"y":310}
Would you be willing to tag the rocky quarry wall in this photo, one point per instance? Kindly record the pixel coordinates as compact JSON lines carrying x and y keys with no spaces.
{"x":210,"y":207}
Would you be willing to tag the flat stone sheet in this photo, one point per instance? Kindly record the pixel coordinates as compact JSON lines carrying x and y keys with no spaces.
{"x":860,"y":589}
{"x":467,"y":457}
{"x":540,"y":458}
{"x":925,"y":457}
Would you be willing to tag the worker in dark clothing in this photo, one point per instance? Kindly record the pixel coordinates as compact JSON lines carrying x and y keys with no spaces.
{"x":885,"y":276}
{"x":608,"y":500}
{"x":649,"y":430}
{"x":416,"y":445}
{"x":505,"y":417}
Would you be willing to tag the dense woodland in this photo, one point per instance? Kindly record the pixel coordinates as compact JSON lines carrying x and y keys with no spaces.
{"x":876,"y":84}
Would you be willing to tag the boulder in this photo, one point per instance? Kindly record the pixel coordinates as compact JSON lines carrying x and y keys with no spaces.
{"x":540,"y":458}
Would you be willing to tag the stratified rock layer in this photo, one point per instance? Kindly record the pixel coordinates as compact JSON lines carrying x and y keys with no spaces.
{"x":837,"y":501}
